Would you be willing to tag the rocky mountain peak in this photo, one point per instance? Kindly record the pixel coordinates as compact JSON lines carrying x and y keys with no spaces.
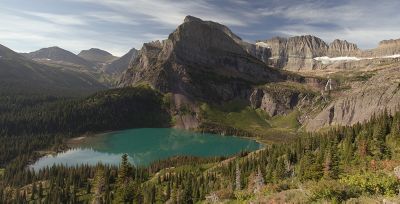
{"x":342,"y":48}
{"x":200,"y":59}
{"x":387,"y":47}
{"x":190,"y":18}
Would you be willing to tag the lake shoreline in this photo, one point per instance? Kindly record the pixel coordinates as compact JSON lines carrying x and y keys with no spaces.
{"x":162,"y":143}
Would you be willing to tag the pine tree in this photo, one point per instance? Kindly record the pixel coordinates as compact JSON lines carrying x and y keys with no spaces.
{"x":123,"y":170}
{"x":347,"y":153}
{"x":99,"y":185}
{"x":123,"y":186}
{"x":378,"y":146}
{"x":395,"y":130}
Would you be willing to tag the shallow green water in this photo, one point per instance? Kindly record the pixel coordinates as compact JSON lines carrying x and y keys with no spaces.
{"x":147,"y":145}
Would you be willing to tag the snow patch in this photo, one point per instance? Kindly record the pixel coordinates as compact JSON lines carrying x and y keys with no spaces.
{"x":392,"y":56}
{"x":263,"y":44}
{"x":330,"y":60}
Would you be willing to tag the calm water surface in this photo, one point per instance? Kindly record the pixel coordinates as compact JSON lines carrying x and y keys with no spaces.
{"x":147,"y":145}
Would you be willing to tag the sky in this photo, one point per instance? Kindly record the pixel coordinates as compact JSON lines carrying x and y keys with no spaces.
{"x":119,"y":25}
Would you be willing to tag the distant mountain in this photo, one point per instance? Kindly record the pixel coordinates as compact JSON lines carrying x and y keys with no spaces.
{"x":120,"y":65}
{"x":21,"y":75}
{"x":58,"y":55}
{"x":96,"y":56}
{"x":305,"y":53}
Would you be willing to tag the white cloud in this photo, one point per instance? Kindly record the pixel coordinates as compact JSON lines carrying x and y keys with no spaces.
{"x":363,"y":22}
{"x":111,"y":17}
{"x":59,"y":19}
{"x":119,"y":25}
{"x":171,"y":12}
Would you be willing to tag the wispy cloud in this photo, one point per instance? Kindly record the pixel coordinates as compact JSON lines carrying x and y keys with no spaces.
{"x":119,"y":25}
{"x":171,"y":12}
{"x":363,"y":22}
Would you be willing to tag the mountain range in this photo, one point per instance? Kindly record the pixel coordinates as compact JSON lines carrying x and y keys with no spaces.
{"x":205,"y":62}
{"x":19,"y":74}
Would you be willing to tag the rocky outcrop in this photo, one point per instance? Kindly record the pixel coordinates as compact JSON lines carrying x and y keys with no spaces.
{"x":283,"y":98}
{"x":202,"y":60}
{"x":342,"y":48}
{"x":272,"y":103}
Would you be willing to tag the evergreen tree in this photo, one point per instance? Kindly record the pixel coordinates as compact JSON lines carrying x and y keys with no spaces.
{"x":99,"y":185}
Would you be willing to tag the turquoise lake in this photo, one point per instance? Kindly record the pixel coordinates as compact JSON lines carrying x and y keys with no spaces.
{"x":147,"y":145}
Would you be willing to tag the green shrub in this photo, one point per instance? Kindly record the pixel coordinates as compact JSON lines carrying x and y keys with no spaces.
{"x":373,"y":183}
{"x":333,"y":190}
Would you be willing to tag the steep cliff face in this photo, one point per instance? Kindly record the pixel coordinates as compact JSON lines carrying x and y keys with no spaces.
{"x":295,"y":53}
{"x":362,"y":100}
{"x":200,"y":59}
{"x":387,"y":48}
{"x":305,"y":53}
{"x":279,"y":102}
{"x":342,"y":48}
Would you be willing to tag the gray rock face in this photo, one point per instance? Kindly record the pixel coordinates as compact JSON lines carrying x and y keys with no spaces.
{"x":387,"y":47}
{"x":272,"y":103}
{"x":200,"y":59}
{"x":364,"y":99}
{"x":282,"y":99}
{"x":342,"y":48}
{"x":295,"y":53}
{"x":298,"y":53}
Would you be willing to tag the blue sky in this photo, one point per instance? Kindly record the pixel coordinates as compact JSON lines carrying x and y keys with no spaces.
{"x":119,"y":25}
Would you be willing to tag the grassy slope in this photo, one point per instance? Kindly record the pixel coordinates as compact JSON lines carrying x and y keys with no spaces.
{"x":238,"y":115}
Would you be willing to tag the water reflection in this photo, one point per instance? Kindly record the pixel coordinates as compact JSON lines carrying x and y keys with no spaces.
{"x":147,"y":145}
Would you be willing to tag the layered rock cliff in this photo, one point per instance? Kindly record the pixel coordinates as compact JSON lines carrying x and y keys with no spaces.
{"x":295,"y":53}
{"x":202,"y":60}
{"x":342,"y":48}
{"x":305,"y":53}
{"x":387,"y":48}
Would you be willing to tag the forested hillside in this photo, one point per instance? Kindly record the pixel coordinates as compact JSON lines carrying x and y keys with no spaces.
{"x":33,"y":123}
{"x":343,"y":163}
